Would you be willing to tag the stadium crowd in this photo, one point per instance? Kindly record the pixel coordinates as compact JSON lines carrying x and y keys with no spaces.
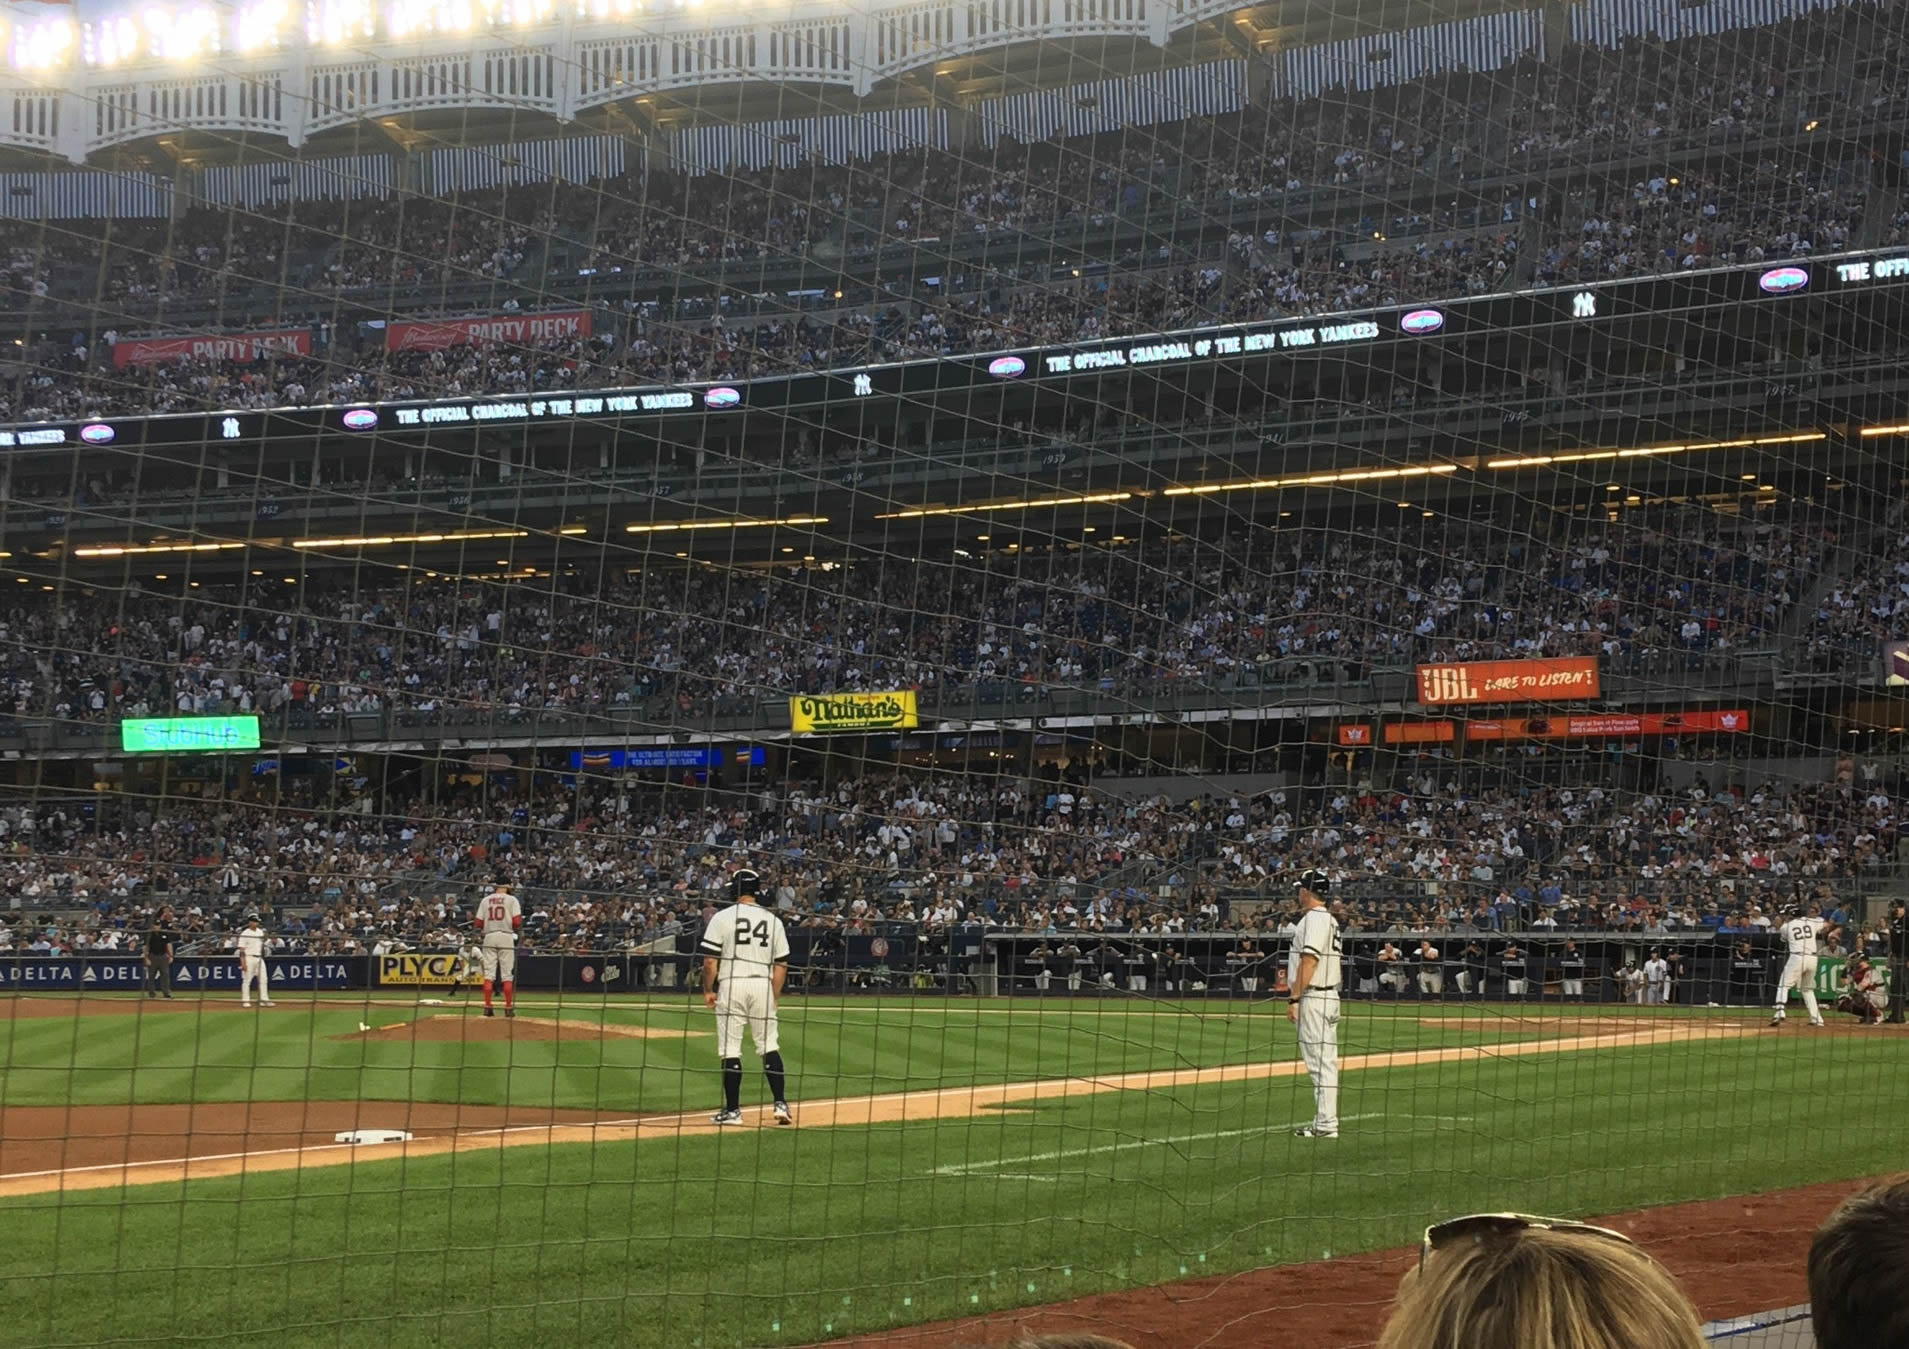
{"x":1651,"y":590}
{"x":287,"y":264}
{"x":605,"y":862}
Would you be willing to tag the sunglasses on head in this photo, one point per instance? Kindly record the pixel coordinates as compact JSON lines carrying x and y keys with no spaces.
{"x":1476,"y":1226}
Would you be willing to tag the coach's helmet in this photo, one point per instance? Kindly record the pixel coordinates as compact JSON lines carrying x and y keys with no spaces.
{"x":745,"y":882}
{"x":1315,"y":880}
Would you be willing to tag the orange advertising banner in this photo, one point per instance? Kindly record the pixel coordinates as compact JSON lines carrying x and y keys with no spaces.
{"x":1508,"y":681}
{"x":1735,"y":721}
{"x":1356,"y":733}
{"x":1419,"y":732}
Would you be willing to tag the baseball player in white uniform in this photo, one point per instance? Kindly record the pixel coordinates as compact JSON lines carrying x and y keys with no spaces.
{"x":470,"y":966}
{"x":251,"y":948}
{"x":1799,"y":971}
{"x":745,"y":962}
{"x":499,"y":918}
{"x":1657,"y":979}
{"x":1312,"y":977}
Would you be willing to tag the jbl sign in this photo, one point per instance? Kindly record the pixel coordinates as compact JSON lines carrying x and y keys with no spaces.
{"x":1557,"y":679}
{"x":1446,"y":684}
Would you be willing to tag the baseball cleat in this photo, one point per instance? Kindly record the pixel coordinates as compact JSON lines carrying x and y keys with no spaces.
{"x":1817,"y":1022}
{"x":268,"y":1004}
{"x":782,"y":1113}
{"x":1314,"y":1131}
{"x":510,"y":1011}
{"x":489,"y":1012}
{"x":726,"y":1117}
{"x":1776,"y":1021}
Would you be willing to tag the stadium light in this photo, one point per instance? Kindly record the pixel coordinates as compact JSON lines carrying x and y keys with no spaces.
{"x":390,"y":540}
{"x":44,"y":44}
{"x":111,"y":41}
{"x":335,"y":22}
{"x":154,"y":549}
{"x":1645,"y":451}
{"x":678,"y":526}
{"x":1314,"y":480}
{"x":260,"y":25}
{"x":987,"y":507}
{"x":183,"y":35}
{"x":406,"y":17}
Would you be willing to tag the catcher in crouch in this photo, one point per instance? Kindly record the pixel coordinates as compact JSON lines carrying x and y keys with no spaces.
{"x":1863,"y":995}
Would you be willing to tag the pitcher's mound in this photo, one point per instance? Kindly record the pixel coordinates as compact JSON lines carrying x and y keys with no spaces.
{"x":471,"y":1028}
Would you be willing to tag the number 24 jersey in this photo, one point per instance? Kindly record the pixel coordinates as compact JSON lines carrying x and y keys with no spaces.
{"x":747,"y":939}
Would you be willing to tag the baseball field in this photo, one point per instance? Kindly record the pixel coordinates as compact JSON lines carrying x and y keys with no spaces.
{"x":169,"y":1170}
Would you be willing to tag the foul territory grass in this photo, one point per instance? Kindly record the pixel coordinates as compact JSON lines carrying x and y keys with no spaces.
{"x":763,"y":1237}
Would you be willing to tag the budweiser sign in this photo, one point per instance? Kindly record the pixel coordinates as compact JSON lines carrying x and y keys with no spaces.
{"x":517,"y":330}
{"x":212,"y":347}
{"x":1508,"y":681}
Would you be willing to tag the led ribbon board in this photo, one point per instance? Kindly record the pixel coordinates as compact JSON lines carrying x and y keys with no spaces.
{"x":187,"y":735}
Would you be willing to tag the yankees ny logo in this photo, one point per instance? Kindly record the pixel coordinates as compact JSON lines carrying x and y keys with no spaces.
{"x":1584,"y":305}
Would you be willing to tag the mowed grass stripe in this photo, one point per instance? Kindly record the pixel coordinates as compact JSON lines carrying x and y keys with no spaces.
{"x":723,"y":1238}
{"x":292,"y":1053}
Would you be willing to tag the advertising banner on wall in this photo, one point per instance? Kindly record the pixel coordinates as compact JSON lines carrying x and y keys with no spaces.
{"x":212,"y":347}
{"x":854,"y":712}
{"x":119,"y":974}
{"x":1508,"y":681}
{"x":418,"y":969}
{"x":1733,"y":721}
{"x":516,"y":330}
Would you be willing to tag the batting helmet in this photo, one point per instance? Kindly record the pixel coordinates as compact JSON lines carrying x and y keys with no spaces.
{"x":745,"y":882}
{"x":1315,"y":880}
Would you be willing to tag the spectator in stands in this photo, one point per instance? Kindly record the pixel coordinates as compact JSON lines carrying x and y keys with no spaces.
{"x":1859,"y":1270}
{"x":1498,"y":1281}
{"x":1299,"y":184}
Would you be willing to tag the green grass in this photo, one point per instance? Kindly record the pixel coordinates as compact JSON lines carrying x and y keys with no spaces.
{"x":309,"y":1051}
{"x":767,"y":1237}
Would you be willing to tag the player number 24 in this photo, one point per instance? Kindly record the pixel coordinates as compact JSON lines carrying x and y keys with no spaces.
{"x":757,"y":935}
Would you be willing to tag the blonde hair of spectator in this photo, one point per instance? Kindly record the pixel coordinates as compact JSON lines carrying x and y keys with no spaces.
{"x":1537,"y":1289}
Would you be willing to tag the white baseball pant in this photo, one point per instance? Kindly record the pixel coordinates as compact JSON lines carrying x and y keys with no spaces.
{"x":1799,"y":972}
{"x":740,"y":1003}
{"x":1319,"y":1046}
{"x":249,"y":972}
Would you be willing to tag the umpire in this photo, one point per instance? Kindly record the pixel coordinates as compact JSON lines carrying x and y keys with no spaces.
{"x":1898,"y":961}
{"x":158,"y":955}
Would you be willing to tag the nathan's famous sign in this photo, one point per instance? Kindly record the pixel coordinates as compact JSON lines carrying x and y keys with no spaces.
{"x":854,"y":712}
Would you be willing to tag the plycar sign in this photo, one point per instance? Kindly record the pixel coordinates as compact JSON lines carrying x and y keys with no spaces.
{"x":854,"y":712}
{"x":419,"y":970}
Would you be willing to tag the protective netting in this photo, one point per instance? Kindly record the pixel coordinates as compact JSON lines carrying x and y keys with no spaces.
{"x":872,"y":502}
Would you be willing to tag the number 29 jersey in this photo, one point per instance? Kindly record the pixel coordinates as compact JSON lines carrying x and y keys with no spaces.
{"x":747,"y":940}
